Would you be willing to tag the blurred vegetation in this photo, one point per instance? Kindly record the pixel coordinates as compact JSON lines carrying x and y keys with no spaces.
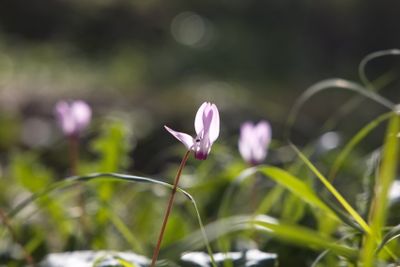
{"x":143,"y":64}
{"x":138,"y":57}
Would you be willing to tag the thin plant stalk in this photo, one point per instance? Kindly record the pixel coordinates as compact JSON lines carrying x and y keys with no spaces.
{"x":28,"y":257}
{"x":73,"y":142}
{"x":73,"y":149}
{"x":169,"y":208}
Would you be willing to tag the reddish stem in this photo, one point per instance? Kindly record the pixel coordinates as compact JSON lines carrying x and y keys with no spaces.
{"x":168,"y":210}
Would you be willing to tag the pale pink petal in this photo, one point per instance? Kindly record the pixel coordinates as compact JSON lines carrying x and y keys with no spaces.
{"x":245,"y":150}
{"x":64,"y":119}
{"x":214,"y":125}
{"x":263,"y":131}
{"x":198,"y":120}
{"x":186,"y":139}
{"x":74,"y":117}
{"x":207,"y":118}
{"x":202,"y":148}
{"x":245,"y":141}
{"x":253,"y":141}
{"x":259,"y":153}
{"x":82,"y":114}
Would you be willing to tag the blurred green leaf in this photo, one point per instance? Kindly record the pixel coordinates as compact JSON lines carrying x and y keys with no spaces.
{"x":34,"y":177}
{"x":333,"y":191}
{"x":9,"y":130}
{"x":270,"y":199}
{"x":293,"y":234}
{"x":293,"y":209}
{"x":105,"y":177}
{"x":112,"y":146}
{"x":27,"y":170}
{"x":302,"y":236}
{"x":177,"y":229}
{"x":296,"y":186}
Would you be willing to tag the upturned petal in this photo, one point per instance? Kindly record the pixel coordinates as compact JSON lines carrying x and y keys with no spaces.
{"x":263,"y":131}
{"x":72,"y":117}
{"x":64,"y":118}
{"x":198,"y":120}
{"x":253,"y":141}
{"x":214,"y":124}
{"x":186,"y":139}
{"x":244,"y":148}
{"x":207,"y":121}
{"x":81,"y":113}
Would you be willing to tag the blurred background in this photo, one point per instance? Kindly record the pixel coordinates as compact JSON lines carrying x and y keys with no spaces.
{"x":146,"y":63}
{"x":158,"y":61}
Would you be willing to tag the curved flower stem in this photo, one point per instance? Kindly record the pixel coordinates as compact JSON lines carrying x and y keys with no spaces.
{"x":169,"y":207}
{"x":28,"y":257}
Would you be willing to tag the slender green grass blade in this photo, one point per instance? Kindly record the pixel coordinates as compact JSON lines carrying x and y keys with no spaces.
{"x":116,"y":177}
{"x":125,"y":232}
{"x":394,"y":233}
{"x":289,"y":233}
{"x":343,"y":215}
{"x":285,"y":179}
{"x":333,"y":191}
{"x":269,"y":200}
{"x":379,"y":207}
{"x":350,"y":106}
{"x":295,"y":185}
{"x":355,"y":140}
{"x":69,"y":181}
{"x":368,"y":58}
{"x":329,"y":84}
{"x":302,"y":236}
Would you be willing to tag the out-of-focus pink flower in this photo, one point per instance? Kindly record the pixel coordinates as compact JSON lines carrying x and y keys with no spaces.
{"x":206,"y":124}
{"x":254,"y":141}
{"x":73,"y":117}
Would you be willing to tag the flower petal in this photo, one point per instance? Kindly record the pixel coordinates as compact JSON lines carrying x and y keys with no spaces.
{"x":202,"y":148}
{"x":62,"y":111}
{"x":81,"y":113}
{"x":245,"y":141}
{"x":198,"y":120}
{"x":254,"y":140}
{"x":214,"y":126}
{"x":207,"y":122}
{"x":186,"y":139}
{"x":263,"y":131}
{"x":207,"y":118}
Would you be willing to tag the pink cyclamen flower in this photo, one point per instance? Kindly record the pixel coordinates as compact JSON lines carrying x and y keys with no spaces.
{"x":73,"y":117}
{"x":253,"y":141}
{"x":206,"y":124}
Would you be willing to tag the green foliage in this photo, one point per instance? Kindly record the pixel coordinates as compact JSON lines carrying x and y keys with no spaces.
{"x":112,"y":146}
{"x":310,"y":199}
{"x":379,"y":207}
